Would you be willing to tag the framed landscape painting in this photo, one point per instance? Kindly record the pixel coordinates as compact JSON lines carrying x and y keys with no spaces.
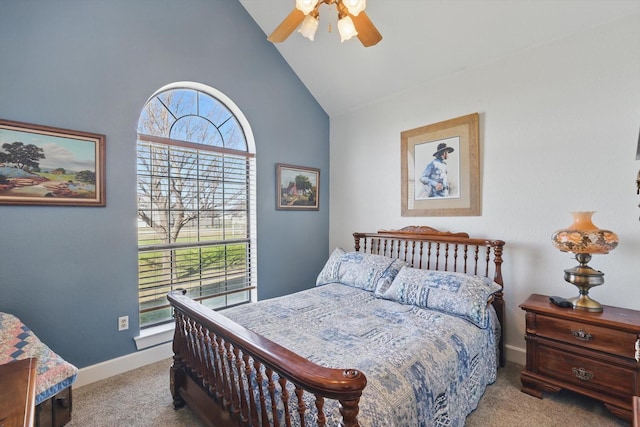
{"x":298,"y":188}
{"x":41,"y":165}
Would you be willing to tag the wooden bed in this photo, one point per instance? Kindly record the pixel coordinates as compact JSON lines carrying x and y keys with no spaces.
{"x":219,"y":364}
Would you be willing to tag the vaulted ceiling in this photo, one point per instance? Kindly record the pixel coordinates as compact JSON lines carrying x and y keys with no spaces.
{"x":424,"y":40}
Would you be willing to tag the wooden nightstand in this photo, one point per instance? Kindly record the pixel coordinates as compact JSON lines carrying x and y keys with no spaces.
{"x":589,"y":353}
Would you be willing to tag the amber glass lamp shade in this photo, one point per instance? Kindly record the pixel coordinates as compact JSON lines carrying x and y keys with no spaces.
{"x":583,"y":239}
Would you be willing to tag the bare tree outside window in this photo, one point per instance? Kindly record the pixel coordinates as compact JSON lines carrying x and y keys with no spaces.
{"x":193,"y":192}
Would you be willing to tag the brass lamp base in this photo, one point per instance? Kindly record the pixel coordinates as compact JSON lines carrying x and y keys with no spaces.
{"x":583,"y":302}
{"x":584,"y":278}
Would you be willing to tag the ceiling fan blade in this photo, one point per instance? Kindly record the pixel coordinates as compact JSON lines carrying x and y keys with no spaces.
{"x":287,"y":26}
{"x":368,"y":34}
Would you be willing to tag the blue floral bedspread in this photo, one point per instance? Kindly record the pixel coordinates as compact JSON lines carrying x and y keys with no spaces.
{"x":17,"y":342}
{"x":423,"y":367}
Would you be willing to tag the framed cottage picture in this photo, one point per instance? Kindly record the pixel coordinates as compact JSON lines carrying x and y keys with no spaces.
{"x":298,"y":188}
{"x":440,"y":168}
{"x":41,"y":165}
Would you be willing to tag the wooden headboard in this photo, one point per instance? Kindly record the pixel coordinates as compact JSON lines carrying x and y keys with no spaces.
{"x":427,"y":248}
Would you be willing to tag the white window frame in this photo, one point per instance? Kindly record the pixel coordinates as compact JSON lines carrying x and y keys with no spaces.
{"x":155,"y":335}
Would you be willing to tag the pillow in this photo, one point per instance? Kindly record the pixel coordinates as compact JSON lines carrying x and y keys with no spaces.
{"x":360,"y":270}
{"x":458,"y":294}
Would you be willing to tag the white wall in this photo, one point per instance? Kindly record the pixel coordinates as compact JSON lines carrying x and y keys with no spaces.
{"x":558,"y":132}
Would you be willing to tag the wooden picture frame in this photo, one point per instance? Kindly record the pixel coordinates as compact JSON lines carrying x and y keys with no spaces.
{"x":290,"y":195}
{"x":451,"y":186}
{"x":43,"y":165}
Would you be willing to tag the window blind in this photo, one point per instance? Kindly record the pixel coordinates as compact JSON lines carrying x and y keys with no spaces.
{"x":193,"y":225}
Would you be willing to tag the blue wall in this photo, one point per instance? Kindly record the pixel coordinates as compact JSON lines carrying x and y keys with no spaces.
{"x":70,"y":272}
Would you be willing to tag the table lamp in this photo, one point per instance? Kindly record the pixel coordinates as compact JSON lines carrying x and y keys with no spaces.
{"x":583,"y":239}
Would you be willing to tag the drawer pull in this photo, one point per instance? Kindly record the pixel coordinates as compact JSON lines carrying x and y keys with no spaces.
{"x":581,"y":335}
{"x":582,"y":374}
{"x":638,"y":350}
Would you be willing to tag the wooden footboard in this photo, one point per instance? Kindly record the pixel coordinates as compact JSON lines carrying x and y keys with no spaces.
{"x":230,"y":376}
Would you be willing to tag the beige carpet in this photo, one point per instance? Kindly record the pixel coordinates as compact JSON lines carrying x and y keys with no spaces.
{"x":141,"y":398}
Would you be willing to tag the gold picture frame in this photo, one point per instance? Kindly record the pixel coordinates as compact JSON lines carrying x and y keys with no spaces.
{"x":440,"y":167}
{"x":298,"y":188}
{"x":48,"y":166}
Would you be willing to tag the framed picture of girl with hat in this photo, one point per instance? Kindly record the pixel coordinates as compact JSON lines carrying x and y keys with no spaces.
{"x":441,"y":169}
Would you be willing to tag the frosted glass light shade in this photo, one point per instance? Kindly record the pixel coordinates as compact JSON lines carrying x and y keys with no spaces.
{"x":355,"y":6}
{"x":306,"y":6}
{"x":346,"y":28}
{"x":309,"y":27}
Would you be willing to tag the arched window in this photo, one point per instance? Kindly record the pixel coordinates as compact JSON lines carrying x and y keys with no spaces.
{"x":196,"y":201}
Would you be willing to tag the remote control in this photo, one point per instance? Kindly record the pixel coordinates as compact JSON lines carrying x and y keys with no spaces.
{"x":560,"y":302}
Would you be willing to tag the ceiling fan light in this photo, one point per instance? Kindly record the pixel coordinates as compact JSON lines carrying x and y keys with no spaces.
{"x":306,"y":6}
{"x":355,"y":6}
{"x":309,"y":27}
{"x":346,"y":28}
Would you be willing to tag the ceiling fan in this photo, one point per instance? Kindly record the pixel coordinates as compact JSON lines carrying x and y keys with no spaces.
{"x":352,"y":21}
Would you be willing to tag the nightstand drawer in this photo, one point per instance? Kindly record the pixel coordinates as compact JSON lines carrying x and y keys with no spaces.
{"x":588,"y":336}
{"x":585,"y":370}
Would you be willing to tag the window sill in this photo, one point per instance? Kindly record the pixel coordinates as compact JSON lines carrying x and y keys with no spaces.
{"x":150,"y":337}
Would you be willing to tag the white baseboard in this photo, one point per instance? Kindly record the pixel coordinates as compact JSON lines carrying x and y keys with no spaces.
{"x":516,"y":354}
{"x":122,"y":364}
